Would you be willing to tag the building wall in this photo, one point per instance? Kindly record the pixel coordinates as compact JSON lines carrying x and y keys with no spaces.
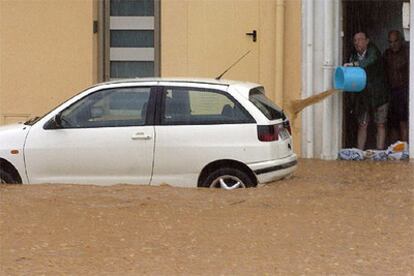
{"x":202,"y":38}
{"x":46,"y":54}
{"x":48,"y":50}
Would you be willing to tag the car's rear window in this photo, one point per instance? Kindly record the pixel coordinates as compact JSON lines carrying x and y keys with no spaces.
{"x":265,"y":105}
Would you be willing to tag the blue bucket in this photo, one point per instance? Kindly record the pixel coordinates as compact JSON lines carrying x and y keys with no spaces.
{"x":350,"y":79}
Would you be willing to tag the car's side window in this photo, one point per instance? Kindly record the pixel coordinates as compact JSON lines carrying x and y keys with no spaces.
{"x":201,"y":106}
{"x":108,"y":108}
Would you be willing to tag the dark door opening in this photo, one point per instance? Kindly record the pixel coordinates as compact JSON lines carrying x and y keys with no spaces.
{"x":377,"y":18}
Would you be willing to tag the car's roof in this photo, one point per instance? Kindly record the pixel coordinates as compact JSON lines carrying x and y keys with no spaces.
{"x":223,"y":82}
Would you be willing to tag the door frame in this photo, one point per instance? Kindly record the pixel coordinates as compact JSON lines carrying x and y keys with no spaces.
{"x":315,"y":139}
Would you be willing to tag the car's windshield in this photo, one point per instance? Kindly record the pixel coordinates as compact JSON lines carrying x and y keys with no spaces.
{"x":265,"y":105}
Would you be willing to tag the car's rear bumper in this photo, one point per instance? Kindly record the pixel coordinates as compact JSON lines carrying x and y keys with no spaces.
{"x":274,"y":169}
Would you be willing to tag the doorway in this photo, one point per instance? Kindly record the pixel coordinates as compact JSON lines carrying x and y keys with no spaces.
{"x":377,"y":18}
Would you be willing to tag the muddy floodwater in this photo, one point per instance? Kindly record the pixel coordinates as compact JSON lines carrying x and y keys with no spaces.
{"x":332,"y":217}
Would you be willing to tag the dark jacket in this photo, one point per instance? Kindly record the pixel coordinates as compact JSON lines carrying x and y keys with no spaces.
{"x":397,"y":67}
{"x":376,"y":93}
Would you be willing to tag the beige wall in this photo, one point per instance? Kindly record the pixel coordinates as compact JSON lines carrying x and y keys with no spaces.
{"x":203,"y":37}
{"x":46,"y":54}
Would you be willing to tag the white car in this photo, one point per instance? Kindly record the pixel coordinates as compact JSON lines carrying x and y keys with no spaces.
{"x":181,"y":132}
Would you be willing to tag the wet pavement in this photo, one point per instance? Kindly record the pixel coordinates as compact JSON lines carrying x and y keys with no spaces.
{"x":332,"y":217}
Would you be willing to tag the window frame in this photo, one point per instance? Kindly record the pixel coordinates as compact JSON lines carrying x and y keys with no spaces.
{"x":162,"y":94}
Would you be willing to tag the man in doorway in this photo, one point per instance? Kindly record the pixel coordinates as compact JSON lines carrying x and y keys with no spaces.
{"x":373,"y":100}
{"x":396,"y":59}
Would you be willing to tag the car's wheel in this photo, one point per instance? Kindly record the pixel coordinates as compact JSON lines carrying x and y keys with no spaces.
{"x":228,"y":179}
{"x":6,"y":178}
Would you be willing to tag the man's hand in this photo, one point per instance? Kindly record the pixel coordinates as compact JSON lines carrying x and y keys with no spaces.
{"x":352,"y":64}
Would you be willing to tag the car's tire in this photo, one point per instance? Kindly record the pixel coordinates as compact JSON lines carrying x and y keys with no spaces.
{"x":228,"y":179}
{"x":7,"y":178}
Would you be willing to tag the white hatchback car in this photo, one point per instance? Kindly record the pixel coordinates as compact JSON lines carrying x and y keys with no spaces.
{"x":182,"y":132}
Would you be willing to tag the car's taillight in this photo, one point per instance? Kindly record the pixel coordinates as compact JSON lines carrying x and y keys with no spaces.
{"x":269,"y":133}
{"x":286,"y":125}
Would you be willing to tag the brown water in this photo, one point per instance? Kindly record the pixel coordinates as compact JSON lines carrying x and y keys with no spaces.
{"x":296,"y":106}
{"x":331,"y":217}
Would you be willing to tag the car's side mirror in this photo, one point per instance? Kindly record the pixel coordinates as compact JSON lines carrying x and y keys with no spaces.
{"x":54,"y":123}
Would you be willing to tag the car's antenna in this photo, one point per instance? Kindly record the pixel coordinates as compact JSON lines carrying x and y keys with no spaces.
{"x":231,"y":66}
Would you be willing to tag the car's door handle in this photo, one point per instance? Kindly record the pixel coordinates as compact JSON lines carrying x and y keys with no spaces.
{"x":141,"y":136}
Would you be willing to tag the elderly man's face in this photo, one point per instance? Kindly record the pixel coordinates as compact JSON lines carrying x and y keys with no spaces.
{"x":395,"y":42}
{"x":360,"y":42}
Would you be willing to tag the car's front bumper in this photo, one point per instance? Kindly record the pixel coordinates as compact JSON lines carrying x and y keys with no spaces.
{"x":274,"y":169}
